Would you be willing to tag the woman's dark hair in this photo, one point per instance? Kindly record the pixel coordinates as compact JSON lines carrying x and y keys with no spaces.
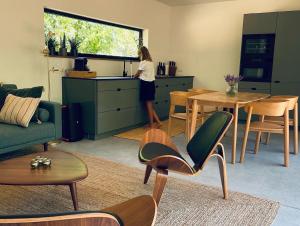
{"x":145,"y":54}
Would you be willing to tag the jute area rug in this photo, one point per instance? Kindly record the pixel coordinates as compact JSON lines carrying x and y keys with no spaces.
{"x":109,"y":183}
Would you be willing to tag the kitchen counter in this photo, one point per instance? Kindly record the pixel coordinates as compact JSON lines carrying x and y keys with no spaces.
{"x":111,"y":104}
{"x":129,"y":78}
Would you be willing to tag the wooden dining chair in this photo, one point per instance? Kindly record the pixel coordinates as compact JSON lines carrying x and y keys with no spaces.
{"x":292,"y":106}
{"x":179,"y":99}
{"x":135,"y":212}
{"x":264,"y":108}
{"x":158,"y":152}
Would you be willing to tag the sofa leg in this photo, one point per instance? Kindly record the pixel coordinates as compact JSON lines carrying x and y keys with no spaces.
{"x":46,"y":146}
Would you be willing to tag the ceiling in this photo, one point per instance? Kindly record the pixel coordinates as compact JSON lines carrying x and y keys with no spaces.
{"x":189,"y":2}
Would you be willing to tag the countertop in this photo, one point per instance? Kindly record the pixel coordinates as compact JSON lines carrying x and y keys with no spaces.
{"x":126,"y":78}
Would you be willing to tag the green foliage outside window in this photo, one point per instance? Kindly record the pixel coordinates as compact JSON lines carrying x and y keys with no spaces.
{"x":95,"y":38}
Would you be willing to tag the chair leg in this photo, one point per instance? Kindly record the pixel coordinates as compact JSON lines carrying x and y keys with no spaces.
{"x":147,"y":173}
{"x":268,"y":138}
{"x":223,"y":174}
{"x":258,"y":136}
{"x":296,"y":129}
{"x":160,"y":182}
{"x":286,"y":139}
{"x":242,"y":157}
{"x":169,"y":126}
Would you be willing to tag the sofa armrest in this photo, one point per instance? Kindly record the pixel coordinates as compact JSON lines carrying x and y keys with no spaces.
{"x":55,"y":116}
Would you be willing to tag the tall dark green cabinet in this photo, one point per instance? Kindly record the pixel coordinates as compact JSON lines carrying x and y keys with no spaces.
{"x":286,"y":60}
{"x":111,"y":105}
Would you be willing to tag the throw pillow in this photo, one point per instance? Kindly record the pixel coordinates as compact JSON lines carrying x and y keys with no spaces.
{"x":18,"y":110}
{"x":35,"y":92}
{"x":44,"y":115}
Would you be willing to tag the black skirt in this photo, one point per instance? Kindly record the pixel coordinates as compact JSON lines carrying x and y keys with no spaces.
{"x":147,"y":91}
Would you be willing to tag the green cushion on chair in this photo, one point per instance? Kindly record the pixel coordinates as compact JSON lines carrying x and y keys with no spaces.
{"x":153,"y":150}
{"x":206,"y":137}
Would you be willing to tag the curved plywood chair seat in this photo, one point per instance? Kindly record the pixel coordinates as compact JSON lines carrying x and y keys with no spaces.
{"x":266,"y":127}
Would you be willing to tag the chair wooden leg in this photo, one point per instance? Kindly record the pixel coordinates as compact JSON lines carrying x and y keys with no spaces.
{"x":147,"y":173}
{"x":286,"y":139}
{"x":242,"y":157}
{"x":160,"y":182}
{"x":258,"y":136}
{"x":268,"y":138}
{"x":169,"y":126}
{"x":223,"y":174}
{"x":296,"y":129}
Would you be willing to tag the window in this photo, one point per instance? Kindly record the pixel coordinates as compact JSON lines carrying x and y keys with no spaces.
{"x":97,"y":39}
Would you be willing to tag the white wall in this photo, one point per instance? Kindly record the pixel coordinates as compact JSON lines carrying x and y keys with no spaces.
{"x":206,"y":38}
{"x":22,"y":37}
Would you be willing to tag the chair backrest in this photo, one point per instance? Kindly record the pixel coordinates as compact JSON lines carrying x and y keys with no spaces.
{"x":179,"y":98}
{"x":81,"y":218}
{"x":291,"y":99}
{"x":207,"y":137}
{"x":268,"y":107}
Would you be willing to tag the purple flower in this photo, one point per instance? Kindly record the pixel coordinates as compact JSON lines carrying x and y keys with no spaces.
{"x":232,"y":79}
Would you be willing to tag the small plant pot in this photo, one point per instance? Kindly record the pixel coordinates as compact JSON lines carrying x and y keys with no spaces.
{"x":63,"y":52}
{"x":52,"y":51}
{"x":74,"y":52}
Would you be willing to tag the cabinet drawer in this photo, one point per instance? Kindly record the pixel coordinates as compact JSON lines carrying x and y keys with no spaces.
{"x":116,"y":85}
{"x":113,"y":120}
{"x":255,"y":85}
{"x":112,"y":100}
{"x":162,"y":108}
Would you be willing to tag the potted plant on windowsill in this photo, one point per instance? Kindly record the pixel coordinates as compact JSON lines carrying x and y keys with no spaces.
{"x":63,"y":49}
{"x":74,"y":43}
{"x":51,"y":44}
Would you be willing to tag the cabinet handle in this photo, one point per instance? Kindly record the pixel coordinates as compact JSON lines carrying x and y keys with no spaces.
{"x":119,"y":89}
{"x":156,"y":102}
{"x":167,"y":85}
{"x":118,"y":109}
{"x":156,"y":86}
{"x":276,"y":81}
{"x":253,"y":88}
{"x":183,"y":84}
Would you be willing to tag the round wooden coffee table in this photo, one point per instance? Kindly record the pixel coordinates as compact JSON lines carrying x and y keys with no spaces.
{"x":66,"y":169}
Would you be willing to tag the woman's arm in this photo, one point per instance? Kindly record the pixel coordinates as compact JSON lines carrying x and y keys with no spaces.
{"x":138,"y":73}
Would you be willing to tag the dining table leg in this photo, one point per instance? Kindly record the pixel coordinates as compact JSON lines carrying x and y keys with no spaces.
{"x":234,"y":135}
{"x":195,"y":108}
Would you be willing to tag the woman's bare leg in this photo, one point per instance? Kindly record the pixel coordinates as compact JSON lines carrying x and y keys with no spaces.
{"x":156,"y":118}
{"x":149,"y":107}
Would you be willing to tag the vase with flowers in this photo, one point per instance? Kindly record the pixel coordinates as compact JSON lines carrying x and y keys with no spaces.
{"x":232,"y":82}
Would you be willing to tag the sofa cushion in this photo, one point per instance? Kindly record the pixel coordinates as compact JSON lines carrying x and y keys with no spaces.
{"x":11,"y":135}
{"x":18,"y":110}
{"x":44,"y":115}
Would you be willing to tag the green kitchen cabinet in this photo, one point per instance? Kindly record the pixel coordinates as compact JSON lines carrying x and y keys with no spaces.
{"x":287,"y":48}
{"x":260,"y":23}
{"x":111,"y":105}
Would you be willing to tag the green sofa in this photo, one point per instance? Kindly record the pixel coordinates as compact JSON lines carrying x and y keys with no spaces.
{"x":13,"y":137}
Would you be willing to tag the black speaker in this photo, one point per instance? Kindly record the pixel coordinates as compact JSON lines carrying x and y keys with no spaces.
{"x":72,"y":129}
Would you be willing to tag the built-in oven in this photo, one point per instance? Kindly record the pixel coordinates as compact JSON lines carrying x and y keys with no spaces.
{"x":257,"y":57}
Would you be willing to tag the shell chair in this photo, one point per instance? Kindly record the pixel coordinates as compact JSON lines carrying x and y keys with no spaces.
{"x":159,"y":153}
{"x":134,"y":212}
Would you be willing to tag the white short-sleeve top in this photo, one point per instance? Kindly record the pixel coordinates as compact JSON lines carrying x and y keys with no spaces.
{"x":147,"y":68}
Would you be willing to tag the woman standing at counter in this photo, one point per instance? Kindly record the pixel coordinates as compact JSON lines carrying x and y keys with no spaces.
{"x":147,"y":88}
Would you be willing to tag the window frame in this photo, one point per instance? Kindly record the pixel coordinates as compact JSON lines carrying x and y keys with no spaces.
{"x":88,"y":19}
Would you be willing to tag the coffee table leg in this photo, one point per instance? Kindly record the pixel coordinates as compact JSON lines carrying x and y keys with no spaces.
{"x":73,"y":190}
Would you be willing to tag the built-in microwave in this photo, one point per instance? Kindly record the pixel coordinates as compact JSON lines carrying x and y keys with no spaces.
{"x":257,"y":57}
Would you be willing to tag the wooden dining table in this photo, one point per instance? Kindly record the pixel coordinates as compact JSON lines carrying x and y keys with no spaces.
{"x":220,"y":99}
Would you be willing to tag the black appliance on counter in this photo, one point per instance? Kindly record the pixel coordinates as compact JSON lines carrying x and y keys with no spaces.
{"x":257,"y":57}
{"x":72,"y":129}
{"x":80,"y":64}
